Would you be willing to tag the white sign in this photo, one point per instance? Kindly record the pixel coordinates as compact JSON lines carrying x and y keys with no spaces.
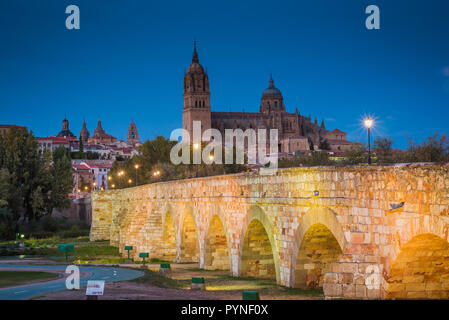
{"x":95,"y":288}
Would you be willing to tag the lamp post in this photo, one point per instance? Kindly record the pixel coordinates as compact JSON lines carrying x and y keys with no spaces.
{"x":120,"y":174}
{"x":368,"y":124}
{"x":136,"y":166}
{"x":196,"y":147}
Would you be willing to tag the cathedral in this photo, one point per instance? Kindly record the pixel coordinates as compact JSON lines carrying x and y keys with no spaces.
{"x":297,"y":133}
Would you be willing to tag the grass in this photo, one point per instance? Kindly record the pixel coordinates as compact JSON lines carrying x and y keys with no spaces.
{"x":155,"y":279}
{"x":99,"y":252}
{"x":16,"y":278}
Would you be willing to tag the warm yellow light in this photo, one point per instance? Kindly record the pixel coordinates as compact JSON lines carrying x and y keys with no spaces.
{"x":129,"y":181}
{"x":85,"y":188}
{"x":79,"y":190}
{"x":109,"y":178}
{"x":94,"y":184}
{"x":158,"y":172}
{"x":113,"y":186}
{"x":211,"y":157}
{"x":136,"y":166}
{"x":368,"y":122}
{"x":196,"y":146}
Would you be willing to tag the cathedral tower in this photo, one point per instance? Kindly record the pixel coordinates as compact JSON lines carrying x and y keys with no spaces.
{"x":84,"y":134}
{"x":65,"y":129}
{"x":196,"y":97}
{"x":133,"y":135}
{"x":272,"y":99}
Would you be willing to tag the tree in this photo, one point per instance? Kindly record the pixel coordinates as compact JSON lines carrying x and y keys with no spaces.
{"x":61,"y":180}
{"x":20,"y":156}
{"x":433,"y":149}
{"x":356,"y":154}
{"x":324,"y":145}
{"x":384,"y":152}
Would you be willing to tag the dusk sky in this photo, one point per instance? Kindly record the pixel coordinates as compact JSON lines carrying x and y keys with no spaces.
{"x":128,"y":60}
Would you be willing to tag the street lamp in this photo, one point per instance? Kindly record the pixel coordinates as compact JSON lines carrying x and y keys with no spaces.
{"x":136,"y":166}
{"x":368,"y":122}
{"x":130,"y":181}
{"x":156,"y":173}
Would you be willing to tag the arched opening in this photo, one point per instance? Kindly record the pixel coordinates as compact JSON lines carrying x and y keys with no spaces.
{"x":319,"y":249}
{"x":168,"y":239}
{"x":189,"y":240}
{"x":257,"y":253}
{"x":217,"y":253}
{"x":421,"y":269}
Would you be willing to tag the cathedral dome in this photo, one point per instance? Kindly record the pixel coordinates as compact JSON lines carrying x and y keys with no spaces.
{"x":271,"y":90}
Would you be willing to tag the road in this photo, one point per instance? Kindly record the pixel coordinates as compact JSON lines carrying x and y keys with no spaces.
{"x":108,"y":274}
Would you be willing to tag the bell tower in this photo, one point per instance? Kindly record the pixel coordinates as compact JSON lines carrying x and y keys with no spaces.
{"x":196,"y":97}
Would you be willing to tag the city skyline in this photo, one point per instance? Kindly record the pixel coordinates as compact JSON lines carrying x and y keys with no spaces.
{"x":127,"y":63}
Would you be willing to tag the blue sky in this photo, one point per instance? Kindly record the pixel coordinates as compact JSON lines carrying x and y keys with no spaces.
{"x":128,"y":59}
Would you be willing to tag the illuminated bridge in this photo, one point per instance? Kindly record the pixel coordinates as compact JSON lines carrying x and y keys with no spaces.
{"x":358,"y":232}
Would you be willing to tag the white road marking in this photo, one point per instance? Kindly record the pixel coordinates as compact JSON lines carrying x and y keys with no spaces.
{"x":20,"y":292}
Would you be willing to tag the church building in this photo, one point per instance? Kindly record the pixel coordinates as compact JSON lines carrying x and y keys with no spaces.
{"x":296,"y":132}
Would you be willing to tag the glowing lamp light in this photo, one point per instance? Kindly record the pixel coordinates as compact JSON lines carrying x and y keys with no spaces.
{"x":113,"y":186}
{"x":211,"y":157}
{"x":129,"y":181}
{"x":109,"y":178}
{"x":368,"y":122}
{"x":85,"y":188}
{"x":136,"y":166}
{"x":196,"y":146}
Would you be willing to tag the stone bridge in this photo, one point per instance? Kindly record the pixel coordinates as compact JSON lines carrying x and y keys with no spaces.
{"x":358,"y":232}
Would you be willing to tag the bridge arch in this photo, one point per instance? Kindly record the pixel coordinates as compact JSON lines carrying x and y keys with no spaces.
{"x":168,"y":237}
{"x":216,"y":244}
{"x":319,"y":241}
{"x":420,"y":270}
{"x":258,"y":252}
{"x":417,"y":264}
{"x":189,"y":247}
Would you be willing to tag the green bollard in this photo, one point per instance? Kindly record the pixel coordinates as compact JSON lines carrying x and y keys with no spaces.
{"x":66,"y":248}
{"x":197,"y":283}
{"x":250,"y":295}
{"x":128,"y":248}
{"x":143,"y":255}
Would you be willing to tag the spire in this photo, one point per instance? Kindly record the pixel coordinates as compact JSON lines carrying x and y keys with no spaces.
{"x":322,"y":125}
{"x":271,"y":81}
{"x":195,"y":54}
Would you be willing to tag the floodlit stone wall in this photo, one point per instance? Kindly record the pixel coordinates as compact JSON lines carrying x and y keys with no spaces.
{"x":372,"y":214}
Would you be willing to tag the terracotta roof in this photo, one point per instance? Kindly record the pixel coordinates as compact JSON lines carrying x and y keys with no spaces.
{"x":58,"y":140}
{"x":80,"y":167}
{"x":337,"y":131}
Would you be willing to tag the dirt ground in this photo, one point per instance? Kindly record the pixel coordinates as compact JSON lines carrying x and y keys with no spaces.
{"x":136,"y":291}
